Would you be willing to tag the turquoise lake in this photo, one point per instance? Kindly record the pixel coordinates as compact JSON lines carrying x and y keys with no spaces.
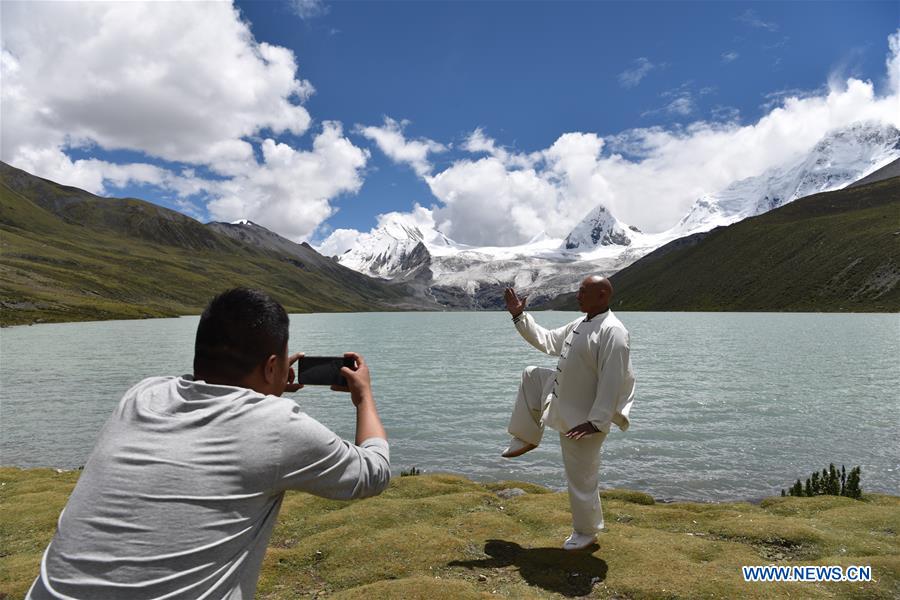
{"x":728,"y":405}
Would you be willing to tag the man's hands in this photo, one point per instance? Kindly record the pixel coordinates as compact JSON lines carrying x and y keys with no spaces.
{"x":359,"y":383}
{"x":514,"y":305}
{"x":291,"y":386}
{"x":368,"y":423}
{"x":580,"y":431}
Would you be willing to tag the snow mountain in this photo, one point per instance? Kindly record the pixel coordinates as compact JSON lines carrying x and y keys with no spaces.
{"x":398,"y":248}
{"x":840,"y":158}
{"x":598,"y":228}
{"x":461,"y":276}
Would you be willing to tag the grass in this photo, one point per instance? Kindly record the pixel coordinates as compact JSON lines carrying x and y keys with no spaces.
{"x":444,"y":536}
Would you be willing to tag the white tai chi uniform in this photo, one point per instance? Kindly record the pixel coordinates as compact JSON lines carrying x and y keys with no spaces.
{"x":593,"y":381}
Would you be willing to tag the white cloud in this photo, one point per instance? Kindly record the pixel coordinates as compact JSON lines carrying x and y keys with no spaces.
{"x":730,"y":56}
{"x":390,"y":139}
{"x":778,"y":97}
{"x":679,"y":101}
{"x":308,"y":9}
{"x":631,"y":77}
{"x":725,"y":114}
{"x":893,"y":63}
{"x":507,"y":197}
{"x":184,"y":82}
{"x":339,"y":242}
{"x":289,"y":191}
{"x":750,"y":17}
{"x":683,"y":105}
{"x":477,"y":142}
{"x":486,"y":203}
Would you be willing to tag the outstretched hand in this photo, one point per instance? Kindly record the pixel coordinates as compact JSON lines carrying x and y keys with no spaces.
{"x":580,"y":431}
{"x":514,"y":304}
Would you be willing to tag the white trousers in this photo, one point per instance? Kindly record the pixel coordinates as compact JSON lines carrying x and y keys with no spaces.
{"x":581,"y":458}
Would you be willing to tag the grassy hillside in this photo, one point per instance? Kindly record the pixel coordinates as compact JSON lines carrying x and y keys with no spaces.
{"x":66,"y":255}
{"x":836,"y":251}
{"x":443,"y":536}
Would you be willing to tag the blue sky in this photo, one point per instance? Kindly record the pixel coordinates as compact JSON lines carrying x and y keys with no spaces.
{"x":641,"y":80}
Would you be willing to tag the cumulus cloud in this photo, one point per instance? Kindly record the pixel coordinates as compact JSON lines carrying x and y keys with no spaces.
{"x":478,"y":142}
{"x":647,"y":177}
{"x":629,"y":78}
{"x":390,"y":139}
{"x":338,"y":242}
{"x":183,"y":82}
{"x":289,"y":192}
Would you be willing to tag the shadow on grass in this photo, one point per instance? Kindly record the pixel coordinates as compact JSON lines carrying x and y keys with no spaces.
{"x":553,"y":569}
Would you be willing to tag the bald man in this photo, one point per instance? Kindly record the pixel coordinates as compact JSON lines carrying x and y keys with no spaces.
{"x":591,"y":387}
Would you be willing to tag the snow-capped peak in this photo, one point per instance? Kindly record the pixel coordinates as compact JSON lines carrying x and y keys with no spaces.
{"x":243,"y":222}
{"x":400,"y":243}
{"x":598,"y":228}
{"x":837,"y":160}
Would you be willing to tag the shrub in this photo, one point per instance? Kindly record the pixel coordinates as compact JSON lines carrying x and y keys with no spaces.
{"x":830,"y":482}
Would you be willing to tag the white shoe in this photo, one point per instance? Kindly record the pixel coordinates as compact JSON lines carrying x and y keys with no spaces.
{"x":578,"y":541}
{"x":517,"y":447}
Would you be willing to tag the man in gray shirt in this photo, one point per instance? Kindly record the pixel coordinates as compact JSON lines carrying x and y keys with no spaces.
{"x":180,"y":494}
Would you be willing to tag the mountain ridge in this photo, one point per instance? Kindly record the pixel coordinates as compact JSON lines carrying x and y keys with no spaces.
{"x":69,"y":255}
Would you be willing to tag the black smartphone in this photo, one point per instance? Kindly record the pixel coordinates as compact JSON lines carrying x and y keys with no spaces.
{"x":323,"y":370}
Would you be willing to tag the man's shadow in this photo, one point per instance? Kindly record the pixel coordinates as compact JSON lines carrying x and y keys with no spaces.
{"x":554,"y":569}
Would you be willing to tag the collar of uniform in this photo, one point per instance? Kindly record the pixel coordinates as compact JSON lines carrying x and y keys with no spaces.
{"x":589,"y":319}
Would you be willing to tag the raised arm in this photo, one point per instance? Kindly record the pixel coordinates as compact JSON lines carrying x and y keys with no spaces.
{"x":317,"y":461}
{"x":549,"y":341}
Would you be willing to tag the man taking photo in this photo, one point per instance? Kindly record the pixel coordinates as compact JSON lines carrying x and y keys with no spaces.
{"x":180,"y":494}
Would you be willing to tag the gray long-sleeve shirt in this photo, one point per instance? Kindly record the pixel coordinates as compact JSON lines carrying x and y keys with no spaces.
{"x":180,"y":494}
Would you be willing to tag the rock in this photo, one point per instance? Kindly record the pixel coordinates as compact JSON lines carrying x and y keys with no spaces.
{"x":508,"y":493}
{"x":482,"y":578}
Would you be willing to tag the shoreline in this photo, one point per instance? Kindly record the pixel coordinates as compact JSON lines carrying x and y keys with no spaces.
{"x":4,"y":324}
{"x":604,"y":492}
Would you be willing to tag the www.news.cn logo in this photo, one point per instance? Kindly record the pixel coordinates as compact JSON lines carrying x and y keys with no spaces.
{"x":807,"y":573}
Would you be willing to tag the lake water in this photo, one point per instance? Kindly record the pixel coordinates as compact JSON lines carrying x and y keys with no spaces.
{"x":728,"y":405}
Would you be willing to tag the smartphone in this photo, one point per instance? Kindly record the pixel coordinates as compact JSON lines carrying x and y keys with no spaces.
{"x":323,"y":370}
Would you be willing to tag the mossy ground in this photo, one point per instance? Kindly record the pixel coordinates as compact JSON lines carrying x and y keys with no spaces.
{"x":443,"y":536}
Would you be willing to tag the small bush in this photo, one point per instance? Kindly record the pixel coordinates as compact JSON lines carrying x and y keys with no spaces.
{"x":412,"y":472}
{"x":830,"y":482}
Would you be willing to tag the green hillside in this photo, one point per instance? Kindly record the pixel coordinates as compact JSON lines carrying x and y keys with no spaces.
{"x":67,"y":255}
{"x":830,"y":252}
